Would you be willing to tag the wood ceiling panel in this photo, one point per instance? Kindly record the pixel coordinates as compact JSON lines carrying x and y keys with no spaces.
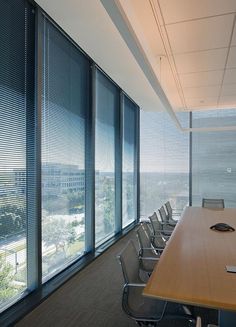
{"x":179,"y":10}
{"x":201,"y":61}
{"x":211,"y":33}
{"x":201,"y":79}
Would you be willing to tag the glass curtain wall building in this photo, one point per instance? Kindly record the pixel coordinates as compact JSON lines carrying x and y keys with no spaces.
{"x":49,"y":166}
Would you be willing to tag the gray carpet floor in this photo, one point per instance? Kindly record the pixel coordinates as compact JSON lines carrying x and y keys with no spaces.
{"x":92,"y":298}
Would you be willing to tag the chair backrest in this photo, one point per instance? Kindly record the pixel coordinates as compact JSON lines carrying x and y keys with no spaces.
{"x":163,"y":215}
{"x":213,"y":203}
{"x":169,"y":209}
{"x":129,"y":261}
{"x":144,"y":236}
{"x":156,"y":225}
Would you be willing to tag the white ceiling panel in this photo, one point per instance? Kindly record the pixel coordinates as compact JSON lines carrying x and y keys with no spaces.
{"x":201,"y":61}
{"x":229,"y":89}
{"x":201,"y":34}
{"x":232,"y":58}
{"x":230,"y":76}
{"x":201,"y":79}
{"x":179,"y":10}
{"x":202,"y":91}
{"x":200,"y":103}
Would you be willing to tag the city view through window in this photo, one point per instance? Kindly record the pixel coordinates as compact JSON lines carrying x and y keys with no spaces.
{"x":63,"y":151}
{"x":65,"y":112}
{"x":164,"y":162}
{"x":14,"y":95}
{"x":214,"y":158}
{"x":163,"y":176}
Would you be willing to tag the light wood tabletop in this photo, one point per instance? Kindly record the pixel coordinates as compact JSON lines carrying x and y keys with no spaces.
{"x":192,"y":267}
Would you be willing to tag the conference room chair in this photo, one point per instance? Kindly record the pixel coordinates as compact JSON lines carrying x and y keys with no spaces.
{"x":164,"y":219}
{"x":148,"y":240}
{"x":148,"y":254}
{"x":172,"y":213}
{"x":158,"y":230}
{"x":213,"y":203}
{"x":142,"y":309}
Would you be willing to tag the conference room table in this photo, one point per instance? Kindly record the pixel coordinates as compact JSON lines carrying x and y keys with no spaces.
{"x":192,"y":268}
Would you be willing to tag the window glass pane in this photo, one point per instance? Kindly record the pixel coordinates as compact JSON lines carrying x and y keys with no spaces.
{"x":65,"y":103}
{"x":129,"y":182}
{"x":107,"y":106}
{"x":16,"y":20}
{"x":164,"y":162}
{"x":214,"y":158}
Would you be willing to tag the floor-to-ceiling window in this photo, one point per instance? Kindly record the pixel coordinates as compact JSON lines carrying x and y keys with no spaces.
{"x":129,"y":168}
{"x":53,"y":110}
{"x":65,"y":95}
{"x":214,"y":157}
{"x":164,"y":162}
{"x":107,"y":113}
{"x":16,"y":105}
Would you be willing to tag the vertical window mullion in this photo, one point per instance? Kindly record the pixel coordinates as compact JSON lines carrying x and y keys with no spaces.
{"x":34,"y":267}
{"x":137,"y":165}
{"x":190,"y":159}
{"x":90,"y":167}
{"x":118,"y":164}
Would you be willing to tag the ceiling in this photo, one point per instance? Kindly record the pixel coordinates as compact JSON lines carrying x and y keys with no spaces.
{"x":89,"y":25}
{"x":191,"y":45}
{"x":174,"y":55}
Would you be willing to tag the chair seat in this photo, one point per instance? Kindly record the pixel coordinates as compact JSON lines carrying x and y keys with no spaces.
{"x":140,"y":307}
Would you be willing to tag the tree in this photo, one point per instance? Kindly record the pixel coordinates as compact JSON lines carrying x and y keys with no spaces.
{"x":76,"y":199}
{"x":108,"y":204}
{"x":7,"y":290}
{"x":58,"y":233}
{"x":12,"y":219}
